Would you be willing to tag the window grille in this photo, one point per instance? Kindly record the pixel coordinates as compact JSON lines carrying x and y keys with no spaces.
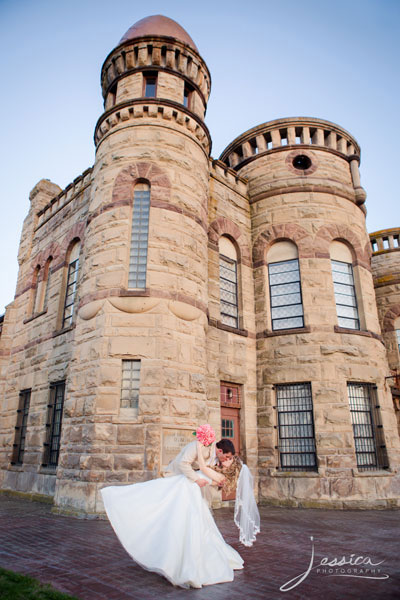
{"x":367,"y":428}
{"x":70,"y":293}
{"x":345,"y":295}
{"x":53,"y":425}
{"x":296,"y":428}
{"x":139,"y":239}
{"x":285,"y":295}
{"x":130,"y":384}
{"x":228,"y":291}
{"x":20,"y":428}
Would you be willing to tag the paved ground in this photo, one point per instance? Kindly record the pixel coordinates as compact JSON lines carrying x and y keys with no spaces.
{"x":84,"y":558}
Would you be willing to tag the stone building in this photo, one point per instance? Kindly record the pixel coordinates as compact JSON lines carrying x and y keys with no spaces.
{"x":163,"y":289}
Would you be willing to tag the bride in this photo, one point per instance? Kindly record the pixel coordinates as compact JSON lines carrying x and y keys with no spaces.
{"x":166,"y":526}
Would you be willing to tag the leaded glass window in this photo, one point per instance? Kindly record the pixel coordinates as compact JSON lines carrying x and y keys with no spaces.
{"x":296,"y":427}
{"x":285,"y":295}
{"x":130,"y":384}
{"x":20,"y":428}
{"x":228,"y":291}
{"x":345,"y":295}
{"x":54,"y":423}
{"x":139,"y":239}
{"x":367,"y":429}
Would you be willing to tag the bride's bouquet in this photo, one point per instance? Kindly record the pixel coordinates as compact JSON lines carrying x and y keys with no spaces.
{"x":205,"y":434}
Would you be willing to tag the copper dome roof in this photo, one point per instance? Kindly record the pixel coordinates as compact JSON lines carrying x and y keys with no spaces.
{"x":158,"y":25}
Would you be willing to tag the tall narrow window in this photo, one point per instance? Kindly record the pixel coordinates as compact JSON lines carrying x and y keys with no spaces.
{"x":53,"y":425}
{"x":35,"y":290}
{"x":130,"y":384}
{"x":285,"y":286}
{"x":343,"y":282}
{"x":398,"y":338}
{"x":47,"y":282}
{"x":367,"y":428}
{"x":228,"y":282}
{"x":345,"y":295}
{"x":150,"y":85}
{"x":187,"y":95}
{"x":296,"y":427}
{"x":139,"y":237}
{"x":71,"y":287}
{"x":20,"y":428}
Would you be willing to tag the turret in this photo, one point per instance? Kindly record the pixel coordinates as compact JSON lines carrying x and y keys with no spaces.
{"x":319,"y":346}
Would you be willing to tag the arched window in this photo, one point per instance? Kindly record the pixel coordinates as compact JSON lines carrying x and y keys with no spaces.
{"x":47,"y":276}
{"x":35,"y":290}
{"x":228,"y":282}
{"x":344,"y":286}
{"x":139,"y":236}
{"x":285,"y":286}
{"x":71,"y":285}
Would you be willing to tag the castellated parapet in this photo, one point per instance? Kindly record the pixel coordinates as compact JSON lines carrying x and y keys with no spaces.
{"x":163,"y":289}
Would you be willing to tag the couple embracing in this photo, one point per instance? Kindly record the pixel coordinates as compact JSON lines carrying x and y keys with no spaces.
{"x":166,"y":525}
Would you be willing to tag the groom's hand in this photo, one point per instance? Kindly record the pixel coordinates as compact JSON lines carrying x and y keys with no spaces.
{"x":201,"y":482}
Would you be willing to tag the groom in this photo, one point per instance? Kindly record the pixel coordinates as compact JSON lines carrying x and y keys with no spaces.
{"x":186,"y":464}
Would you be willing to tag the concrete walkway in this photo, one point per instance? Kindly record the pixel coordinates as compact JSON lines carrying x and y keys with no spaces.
{"x":85,"y":559}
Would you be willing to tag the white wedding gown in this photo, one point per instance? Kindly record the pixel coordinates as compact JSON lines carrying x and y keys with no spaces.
{"x":166,"y":527}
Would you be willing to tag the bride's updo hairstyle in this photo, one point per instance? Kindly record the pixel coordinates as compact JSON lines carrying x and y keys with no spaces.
{"x":226,"y":446}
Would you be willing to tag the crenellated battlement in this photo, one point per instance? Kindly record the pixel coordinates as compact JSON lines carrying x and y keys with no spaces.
{"x":229,"y":176}
{"x":385,"y":240}
{"x":290,"y":133}
{"x":133,"y":110}
{"x":67,"y":195}
{"x":155,"y":53}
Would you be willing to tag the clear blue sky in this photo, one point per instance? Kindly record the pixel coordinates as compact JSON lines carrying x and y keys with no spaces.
{"x":337,"y":60}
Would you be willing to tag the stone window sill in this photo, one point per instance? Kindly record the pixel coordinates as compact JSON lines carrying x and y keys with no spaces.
{"x":47,"y":470}
{"x":35,"y":316}
{"x":17,"y":468}
{"x":268,"y":333}
{"x":295,"y":474}
{"x":364,"y":333}
{"x":65,"y":330}
{"x":134,"y":292}
{"x":230,"y":329}
{"x":380,"y":473}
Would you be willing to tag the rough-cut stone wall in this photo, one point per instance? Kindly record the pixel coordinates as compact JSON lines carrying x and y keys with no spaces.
{"x":174,"y":325}
{"x":386,"y":274}
{"x":231,"y":353}
{"x":38,"y":352}
{"x":322,"y":353}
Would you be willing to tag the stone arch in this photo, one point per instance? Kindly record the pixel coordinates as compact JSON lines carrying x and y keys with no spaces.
{"x":141,"y":171}
{"x":328,"y":233}
{"x":53,"y":251}
{"x":390,"y":317}
{"x":77,"y":232}
{"x":223,"y":226}
{"x":274,"y":233}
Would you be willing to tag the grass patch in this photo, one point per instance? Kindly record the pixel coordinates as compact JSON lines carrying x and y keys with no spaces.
{"x":14,"y":586}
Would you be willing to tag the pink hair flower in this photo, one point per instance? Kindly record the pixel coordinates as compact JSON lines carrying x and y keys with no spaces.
{"x":205,"y":434}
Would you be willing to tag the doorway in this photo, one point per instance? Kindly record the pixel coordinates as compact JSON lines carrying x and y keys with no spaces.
{"x":230,"y":418}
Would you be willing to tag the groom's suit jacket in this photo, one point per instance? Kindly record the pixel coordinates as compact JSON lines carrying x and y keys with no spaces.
{"x":186,"y":461}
